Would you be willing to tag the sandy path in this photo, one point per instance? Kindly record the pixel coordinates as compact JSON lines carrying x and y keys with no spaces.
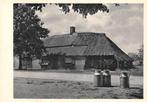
{"x":134,"y":80}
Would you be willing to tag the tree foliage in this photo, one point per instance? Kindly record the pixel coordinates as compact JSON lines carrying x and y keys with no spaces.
{"x":36,"y":6}
{"x":134,"y":56}
{"x":138,"y":56}
{"x":28,"y":31}
{"x":84,"y":9}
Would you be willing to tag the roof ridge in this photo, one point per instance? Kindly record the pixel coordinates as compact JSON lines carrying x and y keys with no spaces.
{"x":91,"y":33}
{"x":96,"y":33}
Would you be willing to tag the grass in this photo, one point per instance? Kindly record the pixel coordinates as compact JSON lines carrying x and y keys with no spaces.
{"x":41,"y":88}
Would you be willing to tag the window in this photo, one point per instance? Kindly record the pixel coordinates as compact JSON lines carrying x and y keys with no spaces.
{"x":68,"y":60}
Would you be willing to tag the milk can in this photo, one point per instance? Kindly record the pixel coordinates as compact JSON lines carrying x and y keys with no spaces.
{"x":98,"y":78}
{"x":124,"y":80}
{"x":106,"y":78}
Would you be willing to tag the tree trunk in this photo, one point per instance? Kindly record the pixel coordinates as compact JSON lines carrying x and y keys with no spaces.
{"x":20,"y":62}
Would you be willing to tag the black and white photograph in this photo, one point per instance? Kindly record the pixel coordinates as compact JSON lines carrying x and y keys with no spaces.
{"x":78,"y":50}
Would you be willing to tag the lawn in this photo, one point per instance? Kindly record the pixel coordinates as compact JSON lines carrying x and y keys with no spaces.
{"x":41,"y":88}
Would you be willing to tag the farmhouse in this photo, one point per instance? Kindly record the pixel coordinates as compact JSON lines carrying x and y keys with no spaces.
{"x":83,"y":50}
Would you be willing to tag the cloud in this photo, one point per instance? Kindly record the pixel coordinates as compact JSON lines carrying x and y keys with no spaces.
{"x":123,"y":24}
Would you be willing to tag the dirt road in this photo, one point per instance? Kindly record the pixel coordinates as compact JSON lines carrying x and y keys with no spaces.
{"x":135,"y":81}
{"x":57,"y":89}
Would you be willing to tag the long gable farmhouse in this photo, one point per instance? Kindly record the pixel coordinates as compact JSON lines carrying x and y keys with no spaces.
{"x":83,"y":50}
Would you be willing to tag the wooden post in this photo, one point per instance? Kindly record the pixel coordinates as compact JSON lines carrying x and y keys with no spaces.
{"x":102,"y":63}
{"x":20,"y":62}
{"x":117,"y":64}
{"x":60,"y":62}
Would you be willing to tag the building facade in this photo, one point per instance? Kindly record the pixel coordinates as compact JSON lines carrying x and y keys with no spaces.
{"x":83,"y":50}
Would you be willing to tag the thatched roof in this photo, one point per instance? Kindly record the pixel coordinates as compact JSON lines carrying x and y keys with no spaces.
{"x":84,"y":44}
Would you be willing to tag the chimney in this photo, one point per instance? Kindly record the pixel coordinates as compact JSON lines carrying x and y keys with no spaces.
{"x":72,"y":29}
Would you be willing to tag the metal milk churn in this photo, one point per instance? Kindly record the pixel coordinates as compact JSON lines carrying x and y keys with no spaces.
{"x":97,"y":78}
{"x":124,"y":80}
{"x":106,"y":78}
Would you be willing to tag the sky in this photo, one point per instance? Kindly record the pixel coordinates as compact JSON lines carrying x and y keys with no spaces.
{"x":123,"y":24}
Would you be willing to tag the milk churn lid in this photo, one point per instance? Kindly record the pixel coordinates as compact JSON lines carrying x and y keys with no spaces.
{"x":97,"y":72}
{"x":124,"y":74}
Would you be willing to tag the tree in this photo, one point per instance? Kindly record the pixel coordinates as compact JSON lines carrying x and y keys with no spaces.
{"x":134,"y":56}
{"x":137,"y":56}
{"x":28,"y":32}
{"x":140,"y":55}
